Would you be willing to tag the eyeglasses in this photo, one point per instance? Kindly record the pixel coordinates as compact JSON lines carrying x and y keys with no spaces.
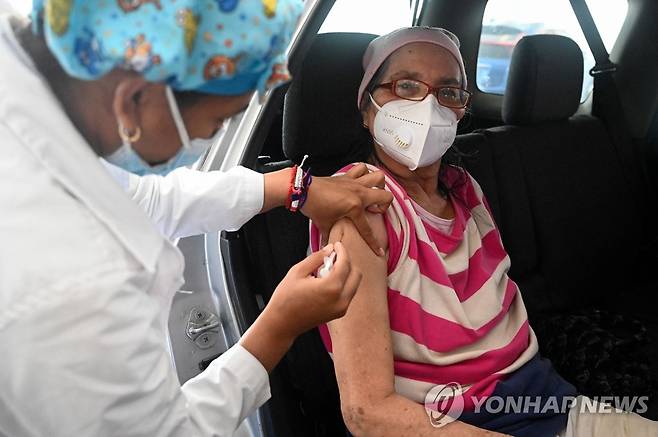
{"x":415,"y":90}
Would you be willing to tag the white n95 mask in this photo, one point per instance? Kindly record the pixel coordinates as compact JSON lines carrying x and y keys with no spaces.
{"x":415,"y":134}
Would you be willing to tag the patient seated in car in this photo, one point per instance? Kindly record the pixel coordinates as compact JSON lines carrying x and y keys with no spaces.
{"x":439,"y":311}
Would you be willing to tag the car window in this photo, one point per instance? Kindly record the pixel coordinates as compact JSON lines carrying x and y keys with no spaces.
{"x":507,"y":21}
{"x":368,"y":16}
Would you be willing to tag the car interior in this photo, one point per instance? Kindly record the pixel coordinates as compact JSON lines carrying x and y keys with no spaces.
{"x":572,"y":187}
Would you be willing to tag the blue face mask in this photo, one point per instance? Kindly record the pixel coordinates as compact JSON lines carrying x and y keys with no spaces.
{"x":190,"y":152}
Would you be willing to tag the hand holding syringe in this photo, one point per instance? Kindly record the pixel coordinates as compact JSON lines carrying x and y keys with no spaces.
{"x":328,"y":265}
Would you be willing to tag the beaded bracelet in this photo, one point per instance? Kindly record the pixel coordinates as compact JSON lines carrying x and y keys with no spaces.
{"x":291,"y":188}
{"x":299,"y":182}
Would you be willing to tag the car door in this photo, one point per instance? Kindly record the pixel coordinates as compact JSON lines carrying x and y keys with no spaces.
{"x":208,"y":314}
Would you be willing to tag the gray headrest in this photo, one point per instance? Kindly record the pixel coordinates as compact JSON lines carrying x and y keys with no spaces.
{"x":545,"y":80}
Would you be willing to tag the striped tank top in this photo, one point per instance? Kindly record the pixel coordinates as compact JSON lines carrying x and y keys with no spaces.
{"x":455,"y":315}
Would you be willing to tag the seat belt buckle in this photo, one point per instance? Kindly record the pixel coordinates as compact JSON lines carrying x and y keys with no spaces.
{"x":607,"y":68}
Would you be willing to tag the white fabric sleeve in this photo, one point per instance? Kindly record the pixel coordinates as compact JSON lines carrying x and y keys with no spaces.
{"x":91,"y":360}
{"x":236,"y":383}
{"x":188,"y":202}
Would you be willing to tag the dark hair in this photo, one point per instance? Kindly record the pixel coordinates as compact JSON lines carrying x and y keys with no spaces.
{"x":188,"y":98}
{"x":453,"y":157}
{"x":376,"y":80}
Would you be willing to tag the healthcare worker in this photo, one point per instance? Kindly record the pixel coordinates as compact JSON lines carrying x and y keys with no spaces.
{"x":85,"y":279}
{"x":186,"y":202}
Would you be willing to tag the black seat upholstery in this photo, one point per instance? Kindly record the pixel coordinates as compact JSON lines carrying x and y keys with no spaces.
{"x":544,"y":80}
{"x":573,"y":225}
{"x":568,"y":221}
{"x":320,"y":117}
{"x":558,"y":179}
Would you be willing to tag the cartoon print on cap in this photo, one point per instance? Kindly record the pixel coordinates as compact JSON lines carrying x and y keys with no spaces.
{"x":57,"y":15}
{"x":206,"y":46}
{"x":227,"y":5}
{"x":89,"y":51}
{"x":133,"y":5}
{"x":275,"y":46}
{"x":270,"y":8}
{"x":138,"y":55}
{"x":218,"y":66}
{"x":190,"y":24}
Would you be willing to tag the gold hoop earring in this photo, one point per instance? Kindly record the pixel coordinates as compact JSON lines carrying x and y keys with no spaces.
{"x":127,"y":137}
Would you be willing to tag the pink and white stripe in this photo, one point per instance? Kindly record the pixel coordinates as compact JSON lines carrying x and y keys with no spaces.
{"x":455,"y":315}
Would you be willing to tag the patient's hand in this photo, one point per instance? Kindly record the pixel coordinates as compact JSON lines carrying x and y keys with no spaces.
{"x":348,"y":196}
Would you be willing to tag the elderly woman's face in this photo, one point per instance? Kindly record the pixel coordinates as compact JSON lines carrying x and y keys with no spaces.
{"x":425,"y":62}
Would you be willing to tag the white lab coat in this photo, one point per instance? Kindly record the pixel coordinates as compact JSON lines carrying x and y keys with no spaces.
{"x":7,"y":8}
{"x":85,"y":284}
{"x":187,"y":202}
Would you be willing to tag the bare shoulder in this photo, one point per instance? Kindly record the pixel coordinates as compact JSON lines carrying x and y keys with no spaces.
{"x":345,"y":232}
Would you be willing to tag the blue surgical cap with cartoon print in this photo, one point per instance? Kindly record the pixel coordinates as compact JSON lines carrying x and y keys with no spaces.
{"x":223,"y":47}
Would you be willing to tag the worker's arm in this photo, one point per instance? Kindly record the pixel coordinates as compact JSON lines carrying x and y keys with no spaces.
{"x":301,"y":302}
{"x":89,"y":358}
{"x":363,"y":355}
{"x":187,"y":202}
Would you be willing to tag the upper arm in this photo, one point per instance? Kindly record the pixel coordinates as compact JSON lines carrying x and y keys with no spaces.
{"x":361,"y":340}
